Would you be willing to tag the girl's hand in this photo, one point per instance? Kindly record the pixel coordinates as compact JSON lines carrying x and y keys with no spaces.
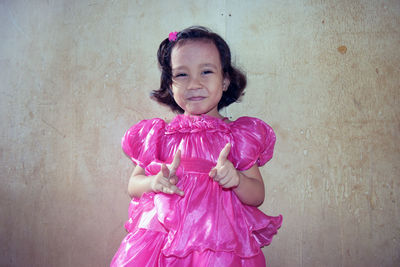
{"x":224,"y":172}
{"x":165,"y":181}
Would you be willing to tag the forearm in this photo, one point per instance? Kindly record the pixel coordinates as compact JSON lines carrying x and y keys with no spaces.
{"x":250,"y":190}
{"x":139,"y":184}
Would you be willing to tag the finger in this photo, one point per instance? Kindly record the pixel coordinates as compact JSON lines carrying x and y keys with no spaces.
{"x":173,"y":180}
{"x":221,"y":173}
{"x":175,"y":163}
{"x":213,"y":173}
{"x":177,"y":191}
{"x":165,"y":170}
{"x":160,"y":183}
{"x":161,"y":187}
{"x":218,"y":177}
{"x":223,"y":155}
{"x":168,"y":188}
{"x":172,"y":189}
{"x":224,"y":182}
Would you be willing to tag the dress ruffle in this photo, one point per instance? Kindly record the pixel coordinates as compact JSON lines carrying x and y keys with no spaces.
{"x":207,"y":217}
{"x":195,"y":124}
{"x":200,"y":137}
{"x":226,"y":225}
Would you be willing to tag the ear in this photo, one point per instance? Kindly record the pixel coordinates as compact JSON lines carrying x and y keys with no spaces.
{"x":225,"y":83}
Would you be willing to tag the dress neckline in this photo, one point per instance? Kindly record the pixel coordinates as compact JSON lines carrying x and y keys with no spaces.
{"x":189,"y":123}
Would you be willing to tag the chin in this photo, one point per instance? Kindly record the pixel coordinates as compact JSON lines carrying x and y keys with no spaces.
{"x":194,"y":113}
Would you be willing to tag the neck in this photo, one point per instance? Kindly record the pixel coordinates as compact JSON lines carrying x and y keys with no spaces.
{"x":214,"y":114}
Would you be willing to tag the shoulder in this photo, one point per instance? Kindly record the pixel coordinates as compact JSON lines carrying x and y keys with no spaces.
{"x":142,"y":131}
{"x":147,"y":125}
{"x":254,"y":141}
{"x":248,"y":119}
{"x":150,"y":122}
{"x":251,"y":124}
{"x":140,"y":140}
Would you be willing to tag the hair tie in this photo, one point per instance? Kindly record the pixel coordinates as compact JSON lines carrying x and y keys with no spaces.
{"x":172,"y":36}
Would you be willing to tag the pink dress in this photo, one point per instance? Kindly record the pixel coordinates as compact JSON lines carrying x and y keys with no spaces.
{"x":209,"y":225}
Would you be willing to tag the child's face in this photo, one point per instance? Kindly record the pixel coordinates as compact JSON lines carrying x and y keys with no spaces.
{"x":197,"y":78}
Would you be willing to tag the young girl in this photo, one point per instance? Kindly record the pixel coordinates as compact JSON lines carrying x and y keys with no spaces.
{"x":196,"y":185}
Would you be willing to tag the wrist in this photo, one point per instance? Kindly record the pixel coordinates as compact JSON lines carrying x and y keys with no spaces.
{"x":239,"y":178}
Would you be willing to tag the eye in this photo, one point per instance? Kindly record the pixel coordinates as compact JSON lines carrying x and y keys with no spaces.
{"x":180,"y":75}
{"x":207,"y":72}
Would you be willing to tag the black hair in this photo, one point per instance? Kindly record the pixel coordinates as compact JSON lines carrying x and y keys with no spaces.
{"x":237,"y":78}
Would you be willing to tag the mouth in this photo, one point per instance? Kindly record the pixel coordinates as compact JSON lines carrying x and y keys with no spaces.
{"x":196,"y":98}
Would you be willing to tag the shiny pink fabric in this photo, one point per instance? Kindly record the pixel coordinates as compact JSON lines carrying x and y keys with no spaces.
{"x":209,"y":225}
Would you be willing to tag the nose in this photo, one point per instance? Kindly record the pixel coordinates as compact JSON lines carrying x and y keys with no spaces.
{"x":194,"y":82}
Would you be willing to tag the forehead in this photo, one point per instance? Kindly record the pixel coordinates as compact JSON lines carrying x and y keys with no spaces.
{"x":195,"y":52}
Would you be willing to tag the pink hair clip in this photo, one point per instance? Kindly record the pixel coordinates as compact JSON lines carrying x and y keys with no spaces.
{"x":172,"y":36}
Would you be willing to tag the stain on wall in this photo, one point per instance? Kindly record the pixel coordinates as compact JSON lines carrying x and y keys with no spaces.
{"x":324,"y":74}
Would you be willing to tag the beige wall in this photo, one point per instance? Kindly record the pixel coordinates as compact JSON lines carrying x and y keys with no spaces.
{"x":76,"y":74}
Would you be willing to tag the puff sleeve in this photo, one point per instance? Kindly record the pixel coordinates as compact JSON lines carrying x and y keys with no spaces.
{"x":140,"y":141}
{"x":254,"y":142}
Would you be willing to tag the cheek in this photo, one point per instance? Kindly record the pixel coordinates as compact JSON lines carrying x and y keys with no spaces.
{"x":175,"y":89}
{"x":177,"y":95}
{"x":179,"y":83}
{"x":178,"y":88}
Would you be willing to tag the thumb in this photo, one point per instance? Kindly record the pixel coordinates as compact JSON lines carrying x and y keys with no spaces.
{"x":223,"y":155}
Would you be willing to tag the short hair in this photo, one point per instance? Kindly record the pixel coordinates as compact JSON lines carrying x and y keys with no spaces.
{"x":237,"y":78}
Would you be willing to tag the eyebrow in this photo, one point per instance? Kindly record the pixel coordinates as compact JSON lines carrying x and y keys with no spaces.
{"x":208,"y":65}
{"x":201,"y":65}
{"x":179,"y":68}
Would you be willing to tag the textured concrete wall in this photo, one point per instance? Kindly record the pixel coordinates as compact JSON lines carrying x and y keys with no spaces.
{"x":76,"y":74}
